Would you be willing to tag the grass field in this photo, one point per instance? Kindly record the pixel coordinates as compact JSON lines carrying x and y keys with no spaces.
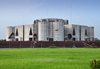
{"x":48,"y":58}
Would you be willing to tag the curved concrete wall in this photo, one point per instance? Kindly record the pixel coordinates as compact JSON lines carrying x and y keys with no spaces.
{"x":58,"y":30}
{"x":43,"y":31}
{"x":51,"y":29}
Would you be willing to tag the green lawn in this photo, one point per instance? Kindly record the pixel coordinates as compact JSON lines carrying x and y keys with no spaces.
{"x":48,"y":58}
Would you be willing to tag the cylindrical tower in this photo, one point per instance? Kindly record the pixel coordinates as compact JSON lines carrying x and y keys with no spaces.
{"x":10,"y":34}
{"x":58,"y":30}
{"x":66,"y":22}
{"x":43,"y":30}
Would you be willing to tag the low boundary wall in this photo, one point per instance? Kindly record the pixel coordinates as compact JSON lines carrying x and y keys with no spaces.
{"x":44,"y":44}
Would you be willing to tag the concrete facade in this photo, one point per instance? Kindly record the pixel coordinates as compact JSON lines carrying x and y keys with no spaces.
{"x":19,"y":33}
{"x":28,"y":32}
{"x":10,"y":33}
{"x":79,"y":33}
{"x":50,"y":29}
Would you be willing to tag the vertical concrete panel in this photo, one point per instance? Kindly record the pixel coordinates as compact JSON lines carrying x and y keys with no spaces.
{"x":35,"y":30}
{"x":68,"y":30}
{"x":27,"y":32}
{"x":20,"y":33}
{"x":91,"y":33}
{"x":51,"y":30}
{"x":43,"y":31}
{"x":58,"y":31}
{"x":9,"y":31}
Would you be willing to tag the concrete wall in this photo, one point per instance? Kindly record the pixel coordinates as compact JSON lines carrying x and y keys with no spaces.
{"x":91,"y":33}
{"x":9,"y":31}
{"x":20,"y":33}
{"x":58,"y":30}
{"x":27,"y":30}
{"x":82,"y":33}
{"x":35,"y":30}
{"x":50,"y":29}
{"x":43,"y":30}
{"x":47,"y":29}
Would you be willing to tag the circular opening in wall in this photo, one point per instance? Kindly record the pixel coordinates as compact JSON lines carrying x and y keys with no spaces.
{"x":69,"y":36}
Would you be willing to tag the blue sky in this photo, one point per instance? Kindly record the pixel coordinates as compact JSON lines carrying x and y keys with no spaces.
{"x":20,"y":12}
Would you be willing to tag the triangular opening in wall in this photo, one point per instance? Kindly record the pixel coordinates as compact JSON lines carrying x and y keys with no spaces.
{"x":12,"y":35}
{"x":30,"y":33}
{"x":16,"y":32}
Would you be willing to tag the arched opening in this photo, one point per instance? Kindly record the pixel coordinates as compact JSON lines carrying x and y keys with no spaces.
{"x":35,"y":37}
{"x":30,"y":33}
{"x":69,"y":36}
{"x":74,"y":39}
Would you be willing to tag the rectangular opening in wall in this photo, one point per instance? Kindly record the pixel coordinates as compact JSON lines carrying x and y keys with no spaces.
{"x":73,"y":31}
{"x":16,"y":32}
{"x":30,"y":33}
{"x":35,"y":37}
{"x":74,"y":39}
{"x":50,"y":39}
{"x":85,"y":32}
{"x":30,"y":39}
{"x":17,"y":39}
{"x":44,"y":20}
{"x":80,"y":33}
{"x":47,"y":38}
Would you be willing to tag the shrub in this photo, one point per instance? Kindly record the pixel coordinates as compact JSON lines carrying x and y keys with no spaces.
{"x":90,"y":47}
{"x":95,"y":64}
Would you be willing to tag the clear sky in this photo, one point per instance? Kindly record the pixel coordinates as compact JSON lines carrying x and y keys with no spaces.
{"x":20,"y":12}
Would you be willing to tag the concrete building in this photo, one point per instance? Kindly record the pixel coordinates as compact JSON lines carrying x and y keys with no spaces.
{"x":50,"y":29}
{"x":78,"y":33}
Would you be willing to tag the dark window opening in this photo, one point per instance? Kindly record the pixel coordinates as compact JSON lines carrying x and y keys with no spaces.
{"x":47,"y":38}
{"x":67,"y":21}
{"x":80,"y":33}
{"x":86,"y":32}
{"x":51,"y":21}
{"x":69,"y":36}
{"x":44,"y":20}
{"x":30,"y":39}
{"x":50,"y":39}
{"x":17,"y":39}
{"x":74,"y":39}
{"x":35,"y":36}
{"x":30,"y":32}
{"x":73,"y":31}
{"x":57,"y":20}
{"x":34,"y":22}
{"x":16,"y":32}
